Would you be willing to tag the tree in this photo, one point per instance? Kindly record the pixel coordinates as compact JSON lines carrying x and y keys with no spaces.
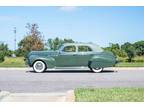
{"x":131,"y":53}
{"x":1,"y":56}
{"x":125,"y":46}
{"x":129,"y":49}
{"x":115,"y":48}
{"x":54,"y":44}
{"x":4,"y":51}
{"x":32,"y":41}
{"x":139,"y":46}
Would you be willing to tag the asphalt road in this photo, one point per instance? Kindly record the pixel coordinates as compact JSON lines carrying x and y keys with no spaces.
{"x":19,"y":81}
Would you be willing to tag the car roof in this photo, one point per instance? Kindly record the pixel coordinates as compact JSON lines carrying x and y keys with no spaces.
{"x":95,"y":47}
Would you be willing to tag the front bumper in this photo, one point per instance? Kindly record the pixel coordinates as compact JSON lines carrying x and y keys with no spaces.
{"x":27,"y":62}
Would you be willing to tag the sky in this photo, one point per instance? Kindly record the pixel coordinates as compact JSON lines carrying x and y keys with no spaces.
{"x":100,"y":25}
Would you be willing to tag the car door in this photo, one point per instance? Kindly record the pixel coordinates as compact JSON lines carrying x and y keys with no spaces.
{"x":67,"y":57}
{"x":84,"y":54}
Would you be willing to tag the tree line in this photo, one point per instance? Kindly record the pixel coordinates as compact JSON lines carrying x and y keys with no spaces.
{"x":129,"y":50}
{"x":33,"y":40}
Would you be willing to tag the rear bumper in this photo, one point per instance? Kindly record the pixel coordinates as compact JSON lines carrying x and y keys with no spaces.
{"x":117,"y":62}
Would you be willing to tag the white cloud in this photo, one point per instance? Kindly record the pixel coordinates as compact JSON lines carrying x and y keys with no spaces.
{"x":68,"y":8}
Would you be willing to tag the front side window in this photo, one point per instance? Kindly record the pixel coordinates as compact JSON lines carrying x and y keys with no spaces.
{"x":69,"y":49}
{"x":84,"y":49}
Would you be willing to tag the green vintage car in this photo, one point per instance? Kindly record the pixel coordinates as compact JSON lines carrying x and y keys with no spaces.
{"x":72,"y":55}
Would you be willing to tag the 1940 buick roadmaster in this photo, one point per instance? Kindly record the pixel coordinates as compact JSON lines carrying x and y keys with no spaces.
{"x":72,"y":55}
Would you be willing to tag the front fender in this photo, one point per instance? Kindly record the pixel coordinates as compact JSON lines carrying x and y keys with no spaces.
{"x":50,"y":61}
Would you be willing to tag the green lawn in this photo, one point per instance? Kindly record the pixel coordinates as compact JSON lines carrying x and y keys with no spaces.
{"x":109,"y":95}
{"x":133,"y":64}
{"x":138,"y":62}
{"x":13,"y":62}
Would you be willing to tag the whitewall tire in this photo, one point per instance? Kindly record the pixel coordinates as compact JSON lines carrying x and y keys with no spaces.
{"x":39,"y":66}
{"x":97,"y":70}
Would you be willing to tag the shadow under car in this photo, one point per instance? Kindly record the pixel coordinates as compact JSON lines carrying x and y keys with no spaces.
{"x":73,"y":71}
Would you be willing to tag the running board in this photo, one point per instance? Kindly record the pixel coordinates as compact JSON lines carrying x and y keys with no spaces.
{"x":69,"y":68}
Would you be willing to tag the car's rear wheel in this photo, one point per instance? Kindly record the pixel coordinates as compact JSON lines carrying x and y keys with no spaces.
{"x":39,"y":66}
{"x":97,"y":70}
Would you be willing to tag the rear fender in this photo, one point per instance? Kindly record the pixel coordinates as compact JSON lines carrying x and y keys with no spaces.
{"x":100,"y":61}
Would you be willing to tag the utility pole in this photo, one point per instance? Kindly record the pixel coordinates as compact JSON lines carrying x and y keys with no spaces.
{"x":14,"y":55}
{"x":14,"y":38}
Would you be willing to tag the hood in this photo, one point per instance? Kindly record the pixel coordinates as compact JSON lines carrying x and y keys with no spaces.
{"x":43,"y":53}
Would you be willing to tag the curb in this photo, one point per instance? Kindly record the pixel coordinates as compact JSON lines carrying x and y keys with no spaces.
{"x":3,"y":94}
{"x":70,"y":96}
{"x":14,"y":68}
{"x":126,"y":68}
{"x":10,"y":97}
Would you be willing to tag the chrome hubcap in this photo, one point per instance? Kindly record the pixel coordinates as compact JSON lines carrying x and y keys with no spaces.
{"x":97,"y":68}
{"x":39,"y":66}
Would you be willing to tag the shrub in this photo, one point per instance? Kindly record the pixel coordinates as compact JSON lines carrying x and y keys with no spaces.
{"x":122,"y":59}
{"x":139,"y":59}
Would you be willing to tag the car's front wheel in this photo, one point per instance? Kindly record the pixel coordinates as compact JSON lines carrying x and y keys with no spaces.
{"x":97,"y":70}
{"x":39,"y":66}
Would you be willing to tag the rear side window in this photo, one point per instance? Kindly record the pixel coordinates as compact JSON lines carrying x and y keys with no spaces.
{"x":84,"y":49}
{"x":69,"y":49}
